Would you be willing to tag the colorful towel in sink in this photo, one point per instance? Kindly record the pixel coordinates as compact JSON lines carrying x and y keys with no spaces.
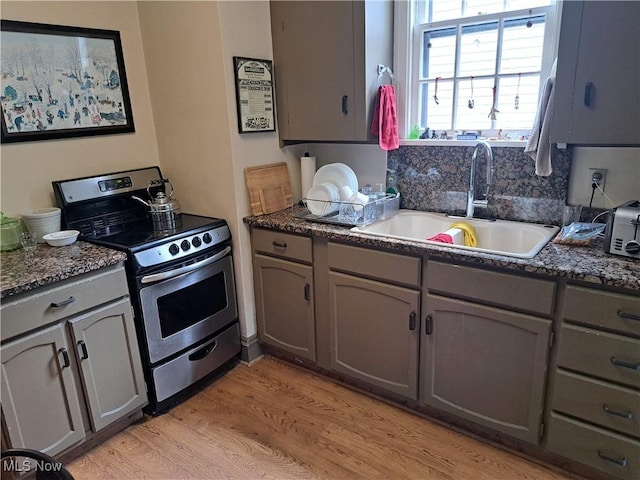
{"x":470,"y":236}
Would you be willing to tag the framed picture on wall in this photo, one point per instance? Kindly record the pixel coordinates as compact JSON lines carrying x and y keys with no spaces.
{"x":62,"y":82}
{"x":254,"y":95}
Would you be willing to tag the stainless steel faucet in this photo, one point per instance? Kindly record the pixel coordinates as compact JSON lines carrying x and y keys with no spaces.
{"x":472,"y":203}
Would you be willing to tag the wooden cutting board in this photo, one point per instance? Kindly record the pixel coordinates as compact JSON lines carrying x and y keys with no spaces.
{"x":269,"y":188}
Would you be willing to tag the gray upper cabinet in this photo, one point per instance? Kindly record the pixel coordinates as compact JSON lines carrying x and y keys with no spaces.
{"x":325,"y":62}
{"x":40,"y":400}
{"x":597,"y":90}
{"x":109,"y":359}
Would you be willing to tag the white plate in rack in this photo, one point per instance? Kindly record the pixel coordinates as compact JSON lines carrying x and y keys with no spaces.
{"x":337,"y":173}
{"x":323,"y":199}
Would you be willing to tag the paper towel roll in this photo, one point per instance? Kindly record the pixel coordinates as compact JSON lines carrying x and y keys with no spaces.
{"x":307,"y":172}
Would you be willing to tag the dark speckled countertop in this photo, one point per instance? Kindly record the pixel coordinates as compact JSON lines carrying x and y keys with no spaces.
{"x":586,"y":264}
{"x":52,"y":264}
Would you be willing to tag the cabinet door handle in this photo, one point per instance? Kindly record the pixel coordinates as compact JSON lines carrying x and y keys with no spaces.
{"x":65,"y":357}
{"x":628,"y":316}
{"x":345,"y":104}
{"x":277,"y":244}
{"x":63,"y":303}
{"x":413,"y":321}
{"x":627,"y":415}
{"x":618,"y":461}
{"x":83,"y":350}
{"x":588,"y":94}
{"x":428,"y":329}
{"x":620,"y":363}
{"x":307,"y":291}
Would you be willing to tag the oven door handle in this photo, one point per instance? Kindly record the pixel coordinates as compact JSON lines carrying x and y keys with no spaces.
{"x":157,"y":277}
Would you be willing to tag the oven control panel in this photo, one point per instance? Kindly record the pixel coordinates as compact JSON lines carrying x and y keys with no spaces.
{"x":183,"y":246}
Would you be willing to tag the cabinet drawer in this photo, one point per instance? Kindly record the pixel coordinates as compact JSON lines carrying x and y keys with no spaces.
{"x":605,"y":355}
{"x":608,"y":405}
{"x":505,"y":290}
{"x":603,"y":309}
{"x":386,"y":266}
{"x":281,"y":244}
{"x":37,"y":309}
{"x":606,"y":451}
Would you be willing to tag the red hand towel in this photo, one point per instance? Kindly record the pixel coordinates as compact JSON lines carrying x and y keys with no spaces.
{"x":442,"y":238}
{"x":385,"y":123}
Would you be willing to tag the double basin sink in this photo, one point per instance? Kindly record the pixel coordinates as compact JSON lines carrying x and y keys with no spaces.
{"x":500,"y":237}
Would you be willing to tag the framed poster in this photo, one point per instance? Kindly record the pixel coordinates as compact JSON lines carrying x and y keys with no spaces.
{"x":254,"y":95}
{"x":61,"y":82}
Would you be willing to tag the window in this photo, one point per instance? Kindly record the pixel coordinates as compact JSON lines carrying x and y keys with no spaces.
{"x":474,"y":64}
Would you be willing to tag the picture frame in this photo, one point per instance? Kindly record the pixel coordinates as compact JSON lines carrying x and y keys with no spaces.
{"x":254,"y":95}
{"x":62,"y":82}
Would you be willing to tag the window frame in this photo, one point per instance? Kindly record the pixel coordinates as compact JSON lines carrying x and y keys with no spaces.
{"x":407,"y":55}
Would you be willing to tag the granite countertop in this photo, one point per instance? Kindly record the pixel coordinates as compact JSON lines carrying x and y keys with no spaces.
{"x":586,"y":264}
{"x":52,"y":264}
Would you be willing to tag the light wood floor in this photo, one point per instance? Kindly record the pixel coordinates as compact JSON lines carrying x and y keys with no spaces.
{"x":275,"y":421}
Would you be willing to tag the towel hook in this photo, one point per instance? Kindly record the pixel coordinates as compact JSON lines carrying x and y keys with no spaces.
{"x":382,"y":69}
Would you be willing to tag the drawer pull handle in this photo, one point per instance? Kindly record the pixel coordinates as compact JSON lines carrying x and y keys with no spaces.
{"x":65,"y":357}
{"x":307,"y":291}
{"x":620,"y":363}
{"x":627,"y":415}
{"x":618,"y":461}
{"x":203,"y":352}
{"x":628,"y":316}
{"x":279,"y":244}
{"x":63,"y":303}
{"x":83,"y":350}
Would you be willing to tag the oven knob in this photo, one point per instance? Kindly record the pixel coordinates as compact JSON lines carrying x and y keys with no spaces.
{"x":207,"y":238}
{"x":174,"y":249}
{"x":632,"y":247}
{"x":185,"y":245}
{"x":196,"y":242}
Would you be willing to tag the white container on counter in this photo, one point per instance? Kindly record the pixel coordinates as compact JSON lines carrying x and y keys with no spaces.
{"x":42,"y":221}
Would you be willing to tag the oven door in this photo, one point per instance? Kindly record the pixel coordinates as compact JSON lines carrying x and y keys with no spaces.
{"x":183,"y":306}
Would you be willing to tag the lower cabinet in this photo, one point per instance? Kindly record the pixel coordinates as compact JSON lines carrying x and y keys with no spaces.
{"x":595,"y":385}
{"x":40,"y":398}
{"x":374,"y":332}
{"x":109,"y":361}
{"x":284,"y":305}
{"x":486,"y":365}
{"x":82,"y":363}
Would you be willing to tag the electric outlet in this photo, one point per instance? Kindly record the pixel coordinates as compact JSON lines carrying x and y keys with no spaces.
{"x":597,"y":176}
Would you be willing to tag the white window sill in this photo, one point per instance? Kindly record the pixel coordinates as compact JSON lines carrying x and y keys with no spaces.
{"x":463,"y":143}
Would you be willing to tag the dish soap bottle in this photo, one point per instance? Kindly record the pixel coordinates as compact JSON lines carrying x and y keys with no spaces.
{"x":391,"y":182}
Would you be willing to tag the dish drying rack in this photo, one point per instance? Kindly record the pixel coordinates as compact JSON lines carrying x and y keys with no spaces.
{"x":351,"y":214}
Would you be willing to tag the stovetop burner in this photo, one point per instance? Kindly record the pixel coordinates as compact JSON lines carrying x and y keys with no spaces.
{"x":144,"y":236}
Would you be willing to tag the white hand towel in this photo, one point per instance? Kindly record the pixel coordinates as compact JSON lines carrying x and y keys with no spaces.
{"x":539,"y":147}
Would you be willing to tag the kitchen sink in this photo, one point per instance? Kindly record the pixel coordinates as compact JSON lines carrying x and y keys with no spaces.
{"x":500,"y":237}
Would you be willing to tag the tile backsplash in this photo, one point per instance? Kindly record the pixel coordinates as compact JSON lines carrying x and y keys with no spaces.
{"x":436,"y":178}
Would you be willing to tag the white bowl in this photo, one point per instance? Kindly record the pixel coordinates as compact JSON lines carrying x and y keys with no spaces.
{"x":59,"y":239}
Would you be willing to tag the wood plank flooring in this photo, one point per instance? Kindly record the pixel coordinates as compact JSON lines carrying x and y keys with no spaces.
{"x":272,"y":420}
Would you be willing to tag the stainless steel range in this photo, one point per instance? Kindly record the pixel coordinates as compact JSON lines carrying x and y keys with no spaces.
{"x":180,"y":278}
